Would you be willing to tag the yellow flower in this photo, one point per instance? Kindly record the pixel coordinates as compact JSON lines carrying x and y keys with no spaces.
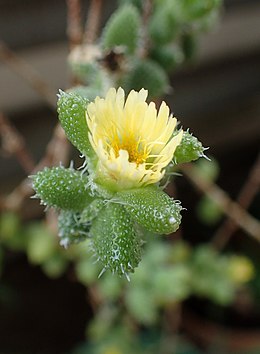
{"x":132,"y":141}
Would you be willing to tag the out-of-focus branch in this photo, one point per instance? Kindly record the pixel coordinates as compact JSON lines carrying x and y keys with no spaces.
{"x":13,"y":144}
{"x":22,"y":68}
{"x":93,"y":21}
{"x":147,"y":11}
{"x":246,"y":195}
{"x":74,"y":25}
{"x":57,"y":151}
{"x":233,"y":210}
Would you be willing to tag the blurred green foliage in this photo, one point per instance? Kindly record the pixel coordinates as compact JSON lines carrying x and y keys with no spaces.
{"x":122,"y":29}
{"x":139,"y":50}
{"x":170,"y":272}
{"x":207,"y":210}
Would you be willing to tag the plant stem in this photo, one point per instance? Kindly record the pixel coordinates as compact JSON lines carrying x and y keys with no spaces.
{"x":93,"y":21}
{"x":74,"y":26}
{"x":145,"y":42}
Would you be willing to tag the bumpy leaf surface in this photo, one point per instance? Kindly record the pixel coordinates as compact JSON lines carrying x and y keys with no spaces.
{"x":152,"y":208}
{"x":190,"y":149}
{"x":115,"y":240}
{"x":122,"y":29}
{"x":62,"y":188}
{"x":72,"y":116}
{"x":149,"y":75}
{"x":71,"y":230}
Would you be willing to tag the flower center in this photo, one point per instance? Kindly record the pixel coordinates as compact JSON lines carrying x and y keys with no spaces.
{"x":136,"y":152}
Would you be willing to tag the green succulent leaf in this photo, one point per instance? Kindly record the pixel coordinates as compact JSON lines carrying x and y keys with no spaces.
{"x":149,"y":75}
{"x":152,"y":208}
{"x":91,"y":211}
{"x":41,"y":244}
{"x":87,"y":271}
{"x":209,"y":171}
{"x":171,"y":283}
{"x":210,"y":276}
{"x":122,"y":29}
{"x":55,"y":266}
{"x":71,"y":229}
{"x":167,"y":56}
{"x":190,"y":149}
{"x":163,"y":26}
{"x":115,"y":240}
{"x":62,"y":188}
{"x":208,"y":211}
{"x":11,"y":234}
{"x":72,"y":116}
{"x":141,"y":305}
{"x":197,"y":9}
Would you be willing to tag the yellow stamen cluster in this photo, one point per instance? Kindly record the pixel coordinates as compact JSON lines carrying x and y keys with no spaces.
{"x":134,"y":148}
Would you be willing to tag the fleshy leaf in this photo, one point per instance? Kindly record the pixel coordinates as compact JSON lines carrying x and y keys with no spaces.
{"x":122,"y":29}
{"x":167,"y":56}
{"x":62,"y":188}
{"x":71,"y":230}
{"x":190,"y":149}
{"x":163,"y":26}
{"x":91,"y":211}
{"x":152,"y":208}
{"x":115,"y":240}
{"x":149,"y":75}
{"x":41,"y":245}
{"x":72,"y":116}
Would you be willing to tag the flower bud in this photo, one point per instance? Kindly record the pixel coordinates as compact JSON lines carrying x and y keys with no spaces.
{"x":190,"y":149}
